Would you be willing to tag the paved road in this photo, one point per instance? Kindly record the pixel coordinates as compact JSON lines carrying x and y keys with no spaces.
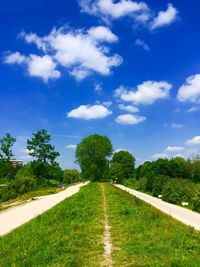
{"x":15,"y":217}
{"x":181,"y":214}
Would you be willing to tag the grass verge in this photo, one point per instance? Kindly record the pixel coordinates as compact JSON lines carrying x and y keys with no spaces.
{"x":70,"y":234}
{"x":143,"y":236}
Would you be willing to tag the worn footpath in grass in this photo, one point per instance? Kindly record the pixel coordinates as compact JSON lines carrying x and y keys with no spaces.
{"x":70,"y":234}
{"x":144,"y":236}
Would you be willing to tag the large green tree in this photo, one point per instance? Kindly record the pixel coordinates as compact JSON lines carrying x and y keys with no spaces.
{"x":92,"y":155}
{"x":127,"y":162}
{"x":43,"y":151}
{"x":6,"y":144}
{"x":6,"y":167}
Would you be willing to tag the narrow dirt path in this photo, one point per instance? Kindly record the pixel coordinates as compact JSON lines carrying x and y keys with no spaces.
{"x":15,"y":217}
{"x":107,"y":262}
{"x":183,"y":215}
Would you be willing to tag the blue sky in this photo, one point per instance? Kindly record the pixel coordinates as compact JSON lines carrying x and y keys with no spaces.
{"x":126,"y":69}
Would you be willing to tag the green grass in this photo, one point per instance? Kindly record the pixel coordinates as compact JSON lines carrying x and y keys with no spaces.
{"x":144,"y":236}
{"x":70,"y":234}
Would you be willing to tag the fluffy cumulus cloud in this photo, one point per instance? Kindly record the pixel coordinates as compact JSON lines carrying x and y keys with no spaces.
{"x":129,"y":119}
{"x":43,"y":67}
{"x":89,"y":112}
{"x":146,"y":93}
{"x":194,"y":141}
{"x":64,"y":47}
{"x":142,"y":44}
{"x":174,"y":149}
{"x":102,"y":33}
{"x":15,"y":58}
{"x":190,"y":91}
{"x":164,"y":18}
{"x":128,"y":108}
{"x":109,"y":8}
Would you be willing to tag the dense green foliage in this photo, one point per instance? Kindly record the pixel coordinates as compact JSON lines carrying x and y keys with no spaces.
{"x":143,"y":236}
{"x":92,"y":155}
{"x":44,"y":153}
{"x":176,"y":180}
{"x":71,"y":176}
{"x":127,"y":163}
{"x":6,"y":144}
{"x":70,"y":234}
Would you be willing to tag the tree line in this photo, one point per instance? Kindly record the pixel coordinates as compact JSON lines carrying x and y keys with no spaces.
{"x":176,"y":180}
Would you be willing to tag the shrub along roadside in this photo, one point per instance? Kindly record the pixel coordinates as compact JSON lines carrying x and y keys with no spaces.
{"x":70,"y":234}
{"x":144,"y":236}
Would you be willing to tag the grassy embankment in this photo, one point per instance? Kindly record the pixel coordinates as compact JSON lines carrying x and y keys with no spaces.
{"x":144,"y":236}
{"x":70,"y":234}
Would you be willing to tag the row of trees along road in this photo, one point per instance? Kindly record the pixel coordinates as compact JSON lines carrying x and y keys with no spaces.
{"x":42,"y":171}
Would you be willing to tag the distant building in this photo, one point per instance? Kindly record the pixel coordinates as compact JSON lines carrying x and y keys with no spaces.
{"x":16,"y":162}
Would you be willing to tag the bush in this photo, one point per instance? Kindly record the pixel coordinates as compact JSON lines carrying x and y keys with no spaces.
{"x":158,"y":184}
{"x":142,"y":184}
{"x":18,"y":187}
{"x":71,"y":176}
{"x":177,"y":191}
{"x":196,"y":198}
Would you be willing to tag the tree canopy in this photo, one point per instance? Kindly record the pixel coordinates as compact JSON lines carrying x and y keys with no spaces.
{"x":92,"y":155}
{"x":127,"y":162}
{"x":5,"y":147}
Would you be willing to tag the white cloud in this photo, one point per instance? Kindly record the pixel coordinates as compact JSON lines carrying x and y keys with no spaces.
{"x":128,"y":108}
{"x":89,"y":112}
{"x":129,"y":119}
{"x":98,"y":87}
{"x":79,"y":73}
{"x":177,"y":125}
{"x":146,"y":93}
{"x":15,"y":58}
{"x":71,"y":146}
{"x":194,"y":141}
{"x":193,"y":109}
{"x":142,"y":44}
{"x":42,"y":67}
{"x":191,"y":90}
{"x":174,"y":149}
{"x":65,"y":47}
{"x":107,"y":103}
{"x":158,"y":156}
{"x":165,"y":18}
{"x":113,"y":10}
{"x":102,"y":33}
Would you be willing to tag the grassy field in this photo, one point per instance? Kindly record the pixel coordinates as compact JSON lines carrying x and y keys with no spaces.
{"x":68,"y":235}
{"x":143,"y":236}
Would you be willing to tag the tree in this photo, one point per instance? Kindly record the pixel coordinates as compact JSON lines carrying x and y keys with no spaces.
{"x":44,"y":153}
{"x":116,"y":172}
{"x":5,"y":147}
{"x":127,"y":162}
{"x":71,"y":176}
{"x":7,"y":169}
{"x":91,"y":154}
